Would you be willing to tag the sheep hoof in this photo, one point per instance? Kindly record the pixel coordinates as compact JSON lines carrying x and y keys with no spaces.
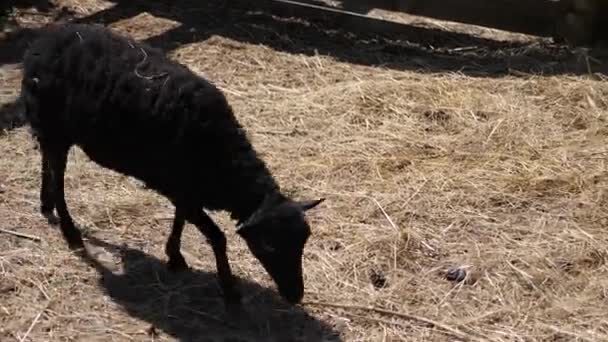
{"x":177,"y":264}
{"x":51,"y":218}
{"x":76,"y":244}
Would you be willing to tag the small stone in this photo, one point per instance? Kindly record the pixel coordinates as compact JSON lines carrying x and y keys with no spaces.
{"x":335,"y":246}
{"x":456,"y":274}
{"x":378,"y":279}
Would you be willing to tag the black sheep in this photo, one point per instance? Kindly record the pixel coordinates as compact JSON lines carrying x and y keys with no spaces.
{"x":132,"y":110}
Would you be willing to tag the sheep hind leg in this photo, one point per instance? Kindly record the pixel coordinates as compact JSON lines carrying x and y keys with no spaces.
{"x":57,"y":158}
{"x":217,"y":239}
{"x":172,"y":248}
{"x":47,"y":199}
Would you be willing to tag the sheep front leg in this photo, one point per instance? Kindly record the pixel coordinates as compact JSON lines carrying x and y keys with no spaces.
{"x":172,"y":249}
{"x":217,"y":239}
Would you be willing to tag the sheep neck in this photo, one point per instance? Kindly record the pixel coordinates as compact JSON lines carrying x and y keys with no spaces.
{"x":253,"y":184}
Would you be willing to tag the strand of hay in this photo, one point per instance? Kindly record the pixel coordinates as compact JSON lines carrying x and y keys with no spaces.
{"x":454,"y":331}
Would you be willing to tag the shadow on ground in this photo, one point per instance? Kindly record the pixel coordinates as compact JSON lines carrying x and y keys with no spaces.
{"x":39,"y":5}
{"x":189,"y":307}
{"x":15,"y":39}
{"x":281,"y":28}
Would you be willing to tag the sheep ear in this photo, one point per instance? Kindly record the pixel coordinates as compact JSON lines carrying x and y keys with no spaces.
{"x":307,"y":205}
{"x":247,"y":232}
{"x":254,"y":218}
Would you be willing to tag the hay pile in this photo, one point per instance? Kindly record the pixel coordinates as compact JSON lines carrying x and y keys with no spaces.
{"x":504,"y":178}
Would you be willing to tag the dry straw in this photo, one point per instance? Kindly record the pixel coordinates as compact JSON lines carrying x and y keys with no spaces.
{"x":504,"y":177}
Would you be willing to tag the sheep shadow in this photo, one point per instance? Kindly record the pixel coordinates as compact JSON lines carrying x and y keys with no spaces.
{"x":292,"y":30}
{"x":189,"y":307}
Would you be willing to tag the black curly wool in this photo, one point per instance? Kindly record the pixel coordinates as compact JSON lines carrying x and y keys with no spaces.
{"x":134,"y":111}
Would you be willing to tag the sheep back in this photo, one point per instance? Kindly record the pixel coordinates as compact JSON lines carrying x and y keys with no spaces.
{"x":135,"y":111}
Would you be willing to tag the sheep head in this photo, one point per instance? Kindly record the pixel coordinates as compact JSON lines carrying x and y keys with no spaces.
{"x":276,"y":234}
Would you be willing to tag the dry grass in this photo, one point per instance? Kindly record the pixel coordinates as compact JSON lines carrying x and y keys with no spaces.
{"x":504,"y":177}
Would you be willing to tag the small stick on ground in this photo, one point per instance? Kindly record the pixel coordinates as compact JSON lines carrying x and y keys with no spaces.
{"x":429,"y":322}
{"x":293,"y":132}
{"x":21,"y":235}
{"x":29,"y":330}
{"x":388,"y":218}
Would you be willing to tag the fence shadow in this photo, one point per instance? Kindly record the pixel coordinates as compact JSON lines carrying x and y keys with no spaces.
{"x":525,"y":16}
{"x":402,"y":47}
{"x":39,"y":5}
{"x":15,"y":39}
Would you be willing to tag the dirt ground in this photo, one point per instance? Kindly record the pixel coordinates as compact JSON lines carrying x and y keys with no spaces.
{"x":447,"y":146}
